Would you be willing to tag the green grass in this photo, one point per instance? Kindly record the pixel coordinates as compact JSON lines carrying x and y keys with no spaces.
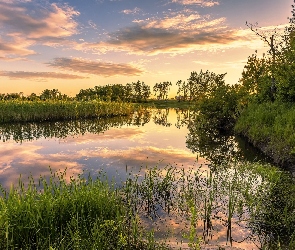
{"x":270,"y":126}
{"x":82,"y":213}
{"x":54,"y":110}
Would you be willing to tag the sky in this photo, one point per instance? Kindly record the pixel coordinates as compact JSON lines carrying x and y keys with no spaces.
{"x":79,"y":44}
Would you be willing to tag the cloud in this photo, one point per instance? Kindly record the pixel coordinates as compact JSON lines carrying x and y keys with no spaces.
{"x":133,"y":11}
{"x":94,"y":68}
{"x":38,"y":75}
{"x":46,"y":24}
{"x":175,"y":33}
{"x":113,"y":134}
{"x":203,"y":3}
{"x":15,"y":49}
{"x":25,"y":24}
{"x":92,"y":25}
{"x":144,"y":40}
{"x":16,"y":161}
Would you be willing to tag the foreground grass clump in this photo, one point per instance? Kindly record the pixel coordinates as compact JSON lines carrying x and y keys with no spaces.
{"x":81,"y":214}
{"x":270,"y":126}
{"x":53,"y":110}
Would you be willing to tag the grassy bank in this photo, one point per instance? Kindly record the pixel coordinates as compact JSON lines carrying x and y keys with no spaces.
{"x":270,"y":127}
{"x":54,"y":110}
{"x":80,"y":214}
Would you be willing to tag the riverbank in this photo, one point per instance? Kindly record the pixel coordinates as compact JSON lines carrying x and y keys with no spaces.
{"x":270,"y":127}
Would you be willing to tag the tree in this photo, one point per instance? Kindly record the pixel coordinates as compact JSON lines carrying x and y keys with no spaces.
{"x":161,"y":90}
{"x":141,"y":91}
{"x":256,"y":79}
{"x":277,"y":66}
{"x":50,"y":94}
{"x":182,"y":94}
{"x":201,"y":84}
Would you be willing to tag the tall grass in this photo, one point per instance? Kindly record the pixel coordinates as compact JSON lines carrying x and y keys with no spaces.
{"x":53,"y":110}
{"x":271,"y":127}
{"x":54,"y":214}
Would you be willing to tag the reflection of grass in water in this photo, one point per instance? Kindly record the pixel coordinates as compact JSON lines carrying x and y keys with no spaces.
{"x":28,"y":131}
{"x":90,"y":214}
{"x":240,"y":197}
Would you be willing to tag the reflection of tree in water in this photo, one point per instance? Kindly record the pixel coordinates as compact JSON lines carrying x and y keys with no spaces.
{"x":211,"y":144}
{"x":160,"y":117}
{"x":20,"y":132}
{"x":218,"y":146}
{"x":184,"y":117}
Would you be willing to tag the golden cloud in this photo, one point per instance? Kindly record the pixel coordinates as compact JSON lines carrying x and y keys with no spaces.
{"x":38,"y":75}
{"x":179,"y":32}
{"x":49,"y":26}
{"x":95,"y":67}
{"x":15,"y":49}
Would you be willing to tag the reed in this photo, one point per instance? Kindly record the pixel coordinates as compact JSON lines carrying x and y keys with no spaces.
{"x":55,"y":110}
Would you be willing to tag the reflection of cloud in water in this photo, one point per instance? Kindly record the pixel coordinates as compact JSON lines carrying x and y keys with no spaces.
{"x":28,"y":159}
{"x":25,"y":161}
{"x":113,"y":134}
{"x":145,"y":156}
{"x":171,"y":229}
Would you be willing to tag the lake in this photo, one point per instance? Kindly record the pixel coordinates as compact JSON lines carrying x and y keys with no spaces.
{"x":122,"y":146}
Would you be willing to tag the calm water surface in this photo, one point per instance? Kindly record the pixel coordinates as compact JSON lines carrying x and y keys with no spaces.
{"x":118,"y":146}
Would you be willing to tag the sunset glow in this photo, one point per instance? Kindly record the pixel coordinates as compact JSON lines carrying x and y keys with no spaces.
{"x":73,"y":45}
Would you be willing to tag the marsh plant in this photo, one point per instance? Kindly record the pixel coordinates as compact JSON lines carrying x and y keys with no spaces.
{"x":253,"y":200}
{"x":54,"y":110}
{"x":57,"y":212}
{"x":62,"y":213}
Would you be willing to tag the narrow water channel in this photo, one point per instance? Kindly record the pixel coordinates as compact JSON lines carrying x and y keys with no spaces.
{"x":165,"y":139}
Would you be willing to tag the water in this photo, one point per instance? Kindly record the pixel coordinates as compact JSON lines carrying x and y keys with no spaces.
{"x":122,"y":145}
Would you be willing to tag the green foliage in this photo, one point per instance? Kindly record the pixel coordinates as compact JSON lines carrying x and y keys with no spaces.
{"x":275,"y":215}
{"x":272,"y":77}
{"x":63,"y":215}
{"x":231,"y":197}
{"x":256,"y":79}
{"x":70,"y":213}
{"x":131,"y":92}
{"x":199,"y":85}
{"x":141,"y":91}
{"x":271,"y":127}
{"x":218,"y":107}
